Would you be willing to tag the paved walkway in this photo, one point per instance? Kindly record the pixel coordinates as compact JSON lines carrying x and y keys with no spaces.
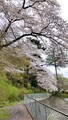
{"x":19,"y":112}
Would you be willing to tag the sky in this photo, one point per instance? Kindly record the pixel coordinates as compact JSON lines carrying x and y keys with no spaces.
{"x":64,"y":8}
{"x":61,"y":71}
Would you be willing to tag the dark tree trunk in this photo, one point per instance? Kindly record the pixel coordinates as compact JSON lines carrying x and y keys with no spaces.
{"x":56,"y":72}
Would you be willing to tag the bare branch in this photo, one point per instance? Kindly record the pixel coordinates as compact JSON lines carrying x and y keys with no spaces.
{"x":23,"y":3}
{"x":9,"y":24}
{"x":33,"y":4}
{"x":29,"y":6}
{"x":13,"y":33}
{"x":52,"y":39}
{"x":15,"y":40}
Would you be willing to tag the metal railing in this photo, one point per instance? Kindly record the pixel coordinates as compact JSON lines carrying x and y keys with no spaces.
{"x":41,"y":111}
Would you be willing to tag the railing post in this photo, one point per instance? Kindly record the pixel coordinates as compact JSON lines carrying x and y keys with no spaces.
{"x":45,"y":113}
{"x":66,"y":118}
{"x":35,"y":111}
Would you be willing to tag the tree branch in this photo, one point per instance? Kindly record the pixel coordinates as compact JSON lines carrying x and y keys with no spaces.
{"x":15,"y":40}
{"x":9,"y":24}
{"x":52,"y":39}
{"x":23,"y":6}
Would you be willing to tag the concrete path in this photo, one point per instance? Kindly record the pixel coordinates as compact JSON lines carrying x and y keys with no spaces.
{"x":19,"y":112}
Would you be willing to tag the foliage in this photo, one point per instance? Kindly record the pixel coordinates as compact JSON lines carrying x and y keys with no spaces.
{"x":36,"y":42}
{"x":14,"y":78}
{"x":18,"y":79}
{"x":22,"y":79}
{"x":3,"y":92}
{"x":33,"y":80}
{"x":63,"y":86}
{"x":7,"y":92}
{"x":4,"y":114}
{"x":62,"y":83}
{"x":13,"y":93}
{"x":10,"y":93}
{"x":37,"y":90}
{"x":61,"y":95}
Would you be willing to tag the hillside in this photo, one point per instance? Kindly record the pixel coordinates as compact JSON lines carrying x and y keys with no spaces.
{"x":16,"y":59}
{"x":10,"y":59}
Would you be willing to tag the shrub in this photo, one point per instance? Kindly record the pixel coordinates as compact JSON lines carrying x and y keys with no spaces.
{"x":13,"y":93}
{"x":18,"y":79}
{"x":21,"y":94}
{"x":33,"y":80}
{"x":62,"y":95}
{"x":3,"y":91}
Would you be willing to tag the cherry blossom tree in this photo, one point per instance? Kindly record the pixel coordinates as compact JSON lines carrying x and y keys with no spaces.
{"x":26,"y":18}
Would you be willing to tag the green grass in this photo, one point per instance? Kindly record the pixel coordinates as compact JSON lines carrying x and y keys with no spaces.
{"x":9,"y":93}
{"x":62,"y":95}
{"x":4,"y":114}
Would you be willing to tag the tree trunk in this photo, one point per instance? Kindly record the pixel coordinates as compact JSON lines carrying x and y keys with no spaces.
{"x":56,"y":72}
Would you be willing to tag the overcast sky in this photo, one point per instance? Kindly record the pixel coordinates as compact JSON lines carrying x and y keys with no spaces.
{"x":64,"y":8}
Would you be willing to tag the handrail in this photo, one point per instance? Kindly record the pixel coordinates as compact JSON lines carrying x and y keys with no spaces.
{"x":48,"y":106}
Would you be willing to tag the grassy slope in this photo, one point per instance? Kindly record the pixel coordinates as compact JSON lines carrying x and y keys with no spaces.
{"x":10,"y":57}
{"x":7,"y":91}
{"x":10,"y":93}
